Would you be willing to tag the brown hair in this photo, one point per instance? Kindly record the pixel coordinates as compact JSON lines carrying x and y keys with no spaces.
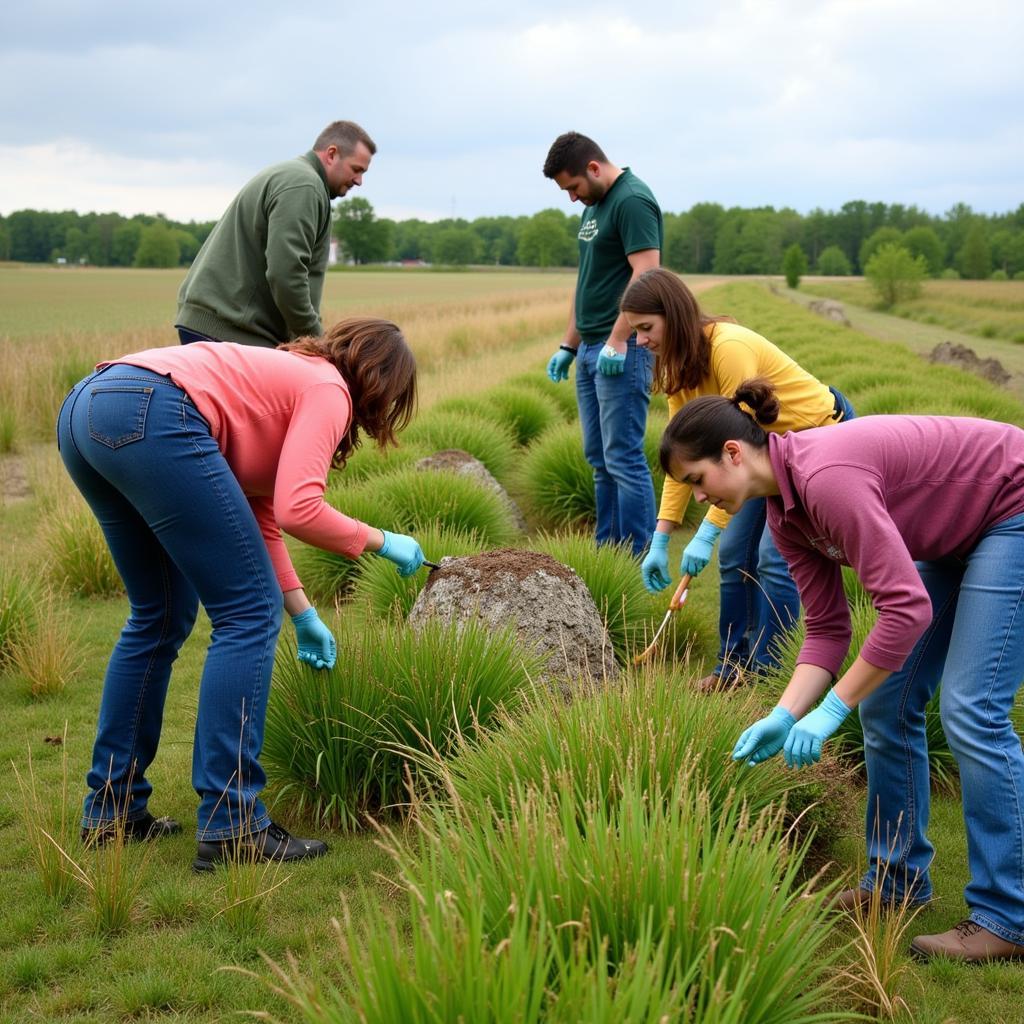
{"x":571,"y":153}
{"x":685,"y":356}
{"x":376,"y":363}
{"x":346,"y":135}
{"x":700,"y":429}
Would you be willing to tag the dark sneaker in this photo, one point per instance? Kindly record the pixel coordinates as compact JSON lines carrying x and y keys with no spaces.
{"x":967,"y":942}
{"x":140,"y":830}
{"x":273,"y":843}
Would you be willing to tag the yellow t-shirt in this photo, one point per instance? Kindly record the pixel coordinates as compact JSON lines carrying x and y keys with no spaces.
{"x":736,"y":355}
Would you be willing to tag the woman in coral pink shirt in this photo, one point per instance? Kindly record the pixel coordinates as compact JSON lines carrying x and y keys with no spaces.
{"x":929,"y":512}
{"x":194,"y":460}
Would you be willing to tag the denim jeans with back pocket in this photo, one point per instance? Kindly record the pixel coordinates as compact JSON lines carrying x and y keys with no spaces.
{"x":180,"y":531}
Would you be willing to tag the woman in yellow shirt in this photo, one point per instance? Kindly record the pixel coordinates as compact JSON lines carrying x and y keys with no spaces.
{"x":696,"y":355}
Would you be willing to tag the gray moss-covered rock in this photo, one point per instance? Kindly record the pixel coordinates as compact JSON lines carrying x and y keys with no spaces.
{"x":547,"y":604}
{"x":454,"y":460}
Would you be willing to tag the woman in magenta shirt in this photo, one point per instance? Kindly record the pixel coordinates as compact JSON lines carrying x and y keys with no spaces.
{"x":929,"y":511}
{"x":194,"y":460}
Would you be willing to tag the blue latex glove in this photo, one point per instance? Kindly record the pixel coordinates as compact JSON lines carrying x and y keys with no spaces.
{"x":403,"y":551}
{"x":654,"y":567}
{"x":697,"y":553}
{"x":803,"y":745}
{"x":559,"y":363}
{"x":765,"y":738}
{"x":611,"y":363}
{"x":316,"y":644}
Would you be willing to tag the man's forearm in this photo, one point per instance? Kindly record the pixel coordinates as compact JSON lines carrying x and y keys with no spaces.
{"x":572,"y":335}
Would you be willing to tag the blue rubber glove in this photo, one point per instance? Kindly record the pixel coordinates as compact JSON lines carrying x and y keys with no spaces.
{"x":765,"y":738}
{"x":803,"y":745}
{"x":403,"y":551}
{"x":697,"y":553}
{"x":316,"y":644}
{"x":611,"y":363}
{"x":559,"y":363}
{"x":654,"y":567}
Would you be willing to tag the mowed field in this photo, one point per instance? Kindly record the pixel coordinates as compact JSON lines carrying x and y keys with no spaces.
{"x":470,"y":331}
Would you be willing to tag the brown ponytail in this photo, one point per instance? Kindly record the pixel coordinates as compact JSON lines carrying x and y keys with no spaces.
{"x":700,"y":429}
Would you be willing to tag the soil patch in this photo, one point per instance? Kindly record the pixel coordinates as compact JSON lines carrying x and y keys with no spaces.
{"x":14,"y":485}
{"x":964,"y":358}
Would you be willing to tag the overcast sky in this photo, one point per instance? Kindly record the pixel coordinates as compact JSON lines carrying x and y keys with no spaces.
{"x":169,"y":107}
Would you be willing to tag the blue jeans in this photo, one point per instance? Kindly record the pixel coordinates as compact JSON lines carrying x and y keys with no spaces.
{"x":758,"y":598}
{"x":613,"y":415}
{"x":180,"y":531}
{"x":975,"y":644}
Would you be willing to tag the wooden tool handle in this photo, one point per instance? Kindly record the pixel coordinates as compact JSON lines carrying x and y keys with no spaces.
{"x":679,"y":597}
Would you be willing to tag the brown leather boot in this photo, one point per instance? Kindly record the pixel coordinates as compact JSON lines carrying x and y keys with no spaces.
{"x":967,"y":942}
{"x":730,"y":679}
{"x":850,"y":900}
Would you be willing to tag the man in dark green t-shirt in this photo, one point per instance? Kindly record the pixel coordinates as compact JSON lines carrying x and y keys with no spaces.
{"x":621,"y":235}
{"x":259,"y":276}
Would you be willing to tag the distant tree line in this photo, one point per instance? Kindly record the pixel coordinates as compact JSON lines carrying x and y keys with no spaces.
{"x":707,"y":238}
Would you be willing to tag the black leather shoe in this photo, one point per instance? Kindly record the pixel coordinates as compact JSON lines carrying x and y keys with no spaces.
{"x":140,"y":830}
{"x":273,"y":843}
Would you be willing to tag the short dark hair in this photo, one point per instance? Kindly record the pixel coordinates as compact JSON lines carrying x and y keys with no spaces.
{"x":346,"y":135}
{"x":572,"y":152}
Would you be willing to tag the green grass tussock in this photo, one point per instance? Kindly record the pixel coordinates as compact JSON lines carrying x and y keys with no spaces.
{"x":563,"y":394}
{"x":339,"y":746}
{"x":77,"y":553}
{"x":492,"y":444}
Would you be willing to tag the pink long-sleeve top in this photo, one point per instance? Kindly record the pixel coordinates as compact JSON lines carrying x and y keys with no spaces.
{"x":879,"y":493}
{"x":278,"y":418}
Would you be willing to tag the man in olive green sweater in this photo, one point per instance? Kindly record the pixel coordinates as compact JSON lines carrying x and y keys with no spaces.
{"x":259,"y":276}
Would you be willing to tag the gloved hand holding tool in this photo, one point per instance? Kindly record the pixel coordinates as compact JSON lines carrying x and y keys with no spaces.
{"x":315,"y":643}
{"x":404,"y":551}
{"x":697,"y":553}
{"x":678,"y":600}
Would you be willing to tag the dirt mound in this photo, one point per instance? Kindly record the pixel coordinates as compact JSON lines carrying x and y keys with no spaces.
{"x":546,"y":603}
{"x":830,"y":309}
{"x":964,"y":358}
{"x":454,"y":460}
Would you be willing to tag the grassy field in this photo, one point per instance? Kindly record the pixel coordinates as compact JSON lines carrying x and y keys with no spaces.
{"x":470,"y":332}
{"x":985,"y":309}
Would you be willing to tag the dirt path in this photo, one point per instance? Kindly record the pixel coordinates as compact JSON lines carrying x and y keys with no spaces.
{"x":14,"y":485}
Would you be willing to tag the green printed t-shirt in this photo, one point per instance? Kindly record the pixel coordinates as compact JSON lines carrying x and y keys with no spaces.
{"x":625,"y":221}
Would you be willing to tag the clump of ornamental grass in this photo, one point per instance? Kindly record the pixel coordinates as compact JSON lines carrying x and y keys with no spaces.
{"x":612,"y":576}
{"x":8,"y":430}
{"x":412,"y":501}
{"x":849,"y":738}
{"x":368,"y":461}
{"x":563,"y":394}
{"x":454,"y":970}
{"x":111,"y":869}
{"x":18,"y":598}
{"x":48,"y":825}
{"x":486,"y":440}
{"x":879,"y":961}
{"x":347,"y":747}
{"x":528,"y":412}
{"x":642,"y":730}
{"x":77,"y":554}
{"x":45,"y":651}
{"x":717,"y":889}
{"x":555,"y":480}
{"x":247,"y":882}
{"x":384,"y":593}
